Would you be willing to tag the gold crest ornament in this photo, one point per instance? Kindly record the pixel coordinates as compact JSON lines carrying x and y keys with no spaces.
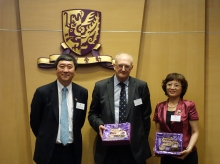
{"x":81,"y":32}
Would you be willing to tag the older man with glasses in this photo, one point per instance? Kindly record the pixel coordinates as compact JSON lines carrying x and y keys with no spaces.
{"x":105,"y":109}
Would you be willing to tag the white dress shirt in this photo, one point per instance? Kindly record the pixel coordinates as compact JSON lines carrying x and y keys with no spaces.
{"x":69,"y":96}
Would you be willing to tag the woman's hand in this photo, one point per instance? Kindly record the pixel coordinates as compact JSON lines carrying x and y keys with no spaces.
{"x":184,"y":154}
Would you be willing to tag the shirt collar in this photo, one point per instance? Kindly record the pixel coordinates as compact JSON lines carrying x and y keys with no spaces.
{"x":60,"y":86}
{"x":116,"y":81}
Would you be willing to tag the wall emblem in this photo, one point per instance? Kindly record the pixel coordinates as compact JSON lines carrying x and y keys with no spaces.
{"x":81,"y":32}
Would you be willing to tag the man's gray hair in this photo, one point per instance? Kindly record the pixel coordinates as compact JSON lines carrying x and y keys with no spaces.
{"x":116,"y":57}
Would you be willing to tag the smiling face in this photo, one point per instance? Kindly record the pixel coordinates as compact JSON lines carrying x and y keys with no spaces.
{"x":65,"y":72}
{"x":123,"y":66}
{"x":173,"y":89}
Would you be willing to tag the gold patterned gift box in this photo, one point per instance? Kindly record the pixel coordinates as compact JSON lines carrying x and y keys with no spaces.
{"x":117,"y":134}
{"x":168,"y":143}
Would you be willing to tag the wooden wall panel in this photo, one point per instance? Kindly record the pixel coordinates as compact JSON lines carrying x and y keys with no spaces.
{"x":14,"y":125}
{"x":14,"y":129}
{"x":212,"y":16}
{"x":174,"y":16}
{"x":212,"y":87}
{"x":116,"y":15}
{"x":212,"y":99}
{"x":9,"y":15}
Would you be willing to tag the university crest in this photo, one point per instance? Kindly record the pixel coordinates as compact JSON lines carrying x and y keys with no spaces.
{"x":81,"y":32}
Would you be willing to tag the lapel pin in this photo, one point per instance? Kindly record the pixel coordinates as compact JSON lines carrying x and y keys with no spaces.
{"x":178,"y":112}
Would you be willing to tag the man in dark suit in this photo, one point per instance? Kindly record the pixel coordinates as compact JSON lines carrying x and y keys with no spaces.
{"x":104,"y":109}
{"x":45,"y":116}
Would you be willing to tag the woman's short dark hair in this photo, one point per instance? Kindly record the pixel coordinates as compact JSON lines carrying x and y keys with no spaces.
{"x":178,"y":77}
{"x":66,"y":57}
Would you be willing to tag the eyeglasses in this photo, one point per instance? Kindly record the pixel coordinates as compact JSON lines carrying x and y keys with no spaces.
{"x":169,"y":85}
{"x":120,"y":66}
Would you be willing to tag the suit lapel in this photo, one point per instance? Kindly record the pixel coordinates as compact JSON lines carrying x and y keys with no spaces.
{"x":76,"y":95}
{"x":131,"y":92}
{"x":55,"y":100}
{"x":110,"y":94}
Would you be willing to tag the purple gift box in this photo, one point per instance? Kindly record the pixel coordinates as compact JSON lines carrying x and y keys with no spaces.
{"x":117,"y":134}
{"x":168,"y":143}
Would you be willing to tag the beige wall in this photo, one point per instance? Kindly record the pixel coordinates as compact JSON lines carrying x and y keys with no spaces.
{"x":14,"y":125}
{"x":212,"y":85}
{"x":163,"y":37}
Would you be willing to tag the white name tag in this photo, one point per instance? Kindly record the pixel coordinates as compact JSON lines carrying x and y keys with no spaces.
{"x":80,"y":105}
{"x":175,"y":118}
{"x":138,"y":102}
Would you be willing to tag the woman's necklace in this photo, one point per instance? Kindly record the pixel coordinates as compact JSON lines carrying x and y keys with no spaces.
{"x":172,"y":106}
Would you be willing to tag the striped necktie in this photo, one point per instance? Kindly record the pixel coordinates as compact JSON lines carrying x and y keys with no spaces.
{"x":64,"y":121}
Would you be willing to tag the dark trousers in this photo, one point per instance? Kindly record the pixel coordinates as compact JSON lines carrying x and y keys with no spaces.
{"x":119,"y":155}
{"x":63,"y":154}
{"x":192,"y":158}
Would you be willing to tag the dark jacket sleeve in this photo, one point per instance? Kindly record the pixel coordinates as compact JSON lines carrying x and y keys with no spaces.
{"x":37,"y":106}
{"x":85,"y":100}
{"x":94,"y":116}
{"x":146,"y":110}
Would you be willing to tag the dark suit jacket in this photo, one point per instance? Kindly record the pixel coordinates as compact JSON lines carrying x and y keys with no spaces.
{"x":102,"y":111}
{"x":44,"y":118}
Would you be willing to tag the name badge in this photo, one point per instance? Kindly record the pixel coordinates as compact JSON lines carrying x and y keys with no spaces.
{"x":175,"y":118}
{"x":80,"y":106}
{"x":138,"y":102}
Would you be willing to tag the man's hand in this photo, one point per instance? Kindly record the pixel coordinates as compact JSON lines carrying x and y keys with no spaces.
{"x":101,"y":128}
{"x":156,"y":155}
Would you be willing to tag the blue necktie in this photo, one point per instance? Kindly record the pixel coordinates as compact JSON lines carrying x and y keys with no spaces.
{"x":122,"y":104}
{"x":64,"y":129}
